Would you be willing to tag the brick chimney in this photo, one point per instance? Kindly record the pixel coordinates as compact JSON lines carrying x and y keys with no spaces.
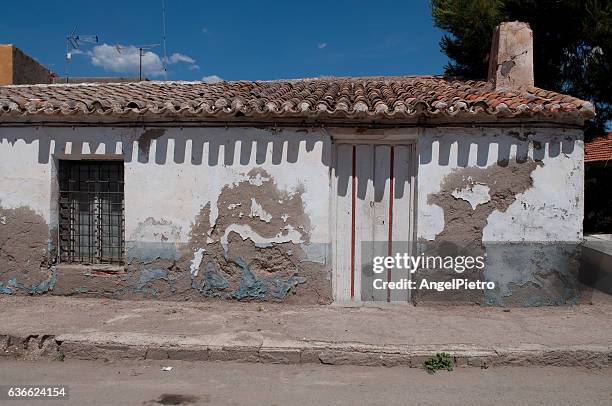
{"x":511,"y":57}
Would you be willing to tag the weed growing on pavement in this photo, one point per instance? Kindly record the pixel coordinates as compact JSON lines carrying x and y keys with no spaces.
{"x":442,"y":360}
{"x":59,"y":356}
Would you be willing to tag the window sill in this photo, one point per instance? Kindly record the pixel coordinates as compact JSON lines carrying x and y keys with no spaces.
{"x":93,"y":268}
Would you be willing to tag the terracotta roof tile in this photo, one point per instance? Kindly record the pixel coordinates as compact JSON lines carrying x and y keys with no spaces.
{"x":599,"y":149}
{"x":321,"y":100}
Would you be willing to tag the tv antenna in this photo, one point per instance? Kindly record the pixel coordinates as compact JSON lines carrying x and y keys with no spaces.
{"x":141,"y":49}
{"x":165,"y":60}
{"x":73,"y":42}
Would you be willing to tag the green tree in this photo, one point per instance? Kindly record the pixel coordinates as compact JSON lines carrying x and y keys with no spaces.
{"x":572,"y":43}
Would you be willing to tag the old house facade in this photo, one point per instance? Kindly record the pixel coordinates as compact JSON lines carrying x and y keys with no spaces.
{"x":284,"y":190}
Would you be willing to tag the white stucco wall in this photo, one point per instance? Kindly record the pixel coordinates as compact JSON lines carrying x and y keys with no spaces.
{"x":187,"y":168}
{"x":24,"y":181}
{"x":180,"y":175}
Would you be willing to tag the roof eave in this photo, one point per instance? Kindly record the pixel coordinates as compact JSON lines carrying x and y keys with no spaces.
{"x":310,"y":119}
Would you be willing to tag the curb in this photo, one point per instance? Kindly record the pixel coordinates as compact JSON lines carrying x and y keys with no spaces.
{"x":116,"y":347}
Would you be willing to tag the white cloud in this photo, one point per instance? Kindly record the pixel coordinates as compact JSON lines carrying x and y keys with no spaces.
{"x":212,"y":79}
{"x":176,"y":57}
{"x":322,"y":45}
{"x":125,"y":59}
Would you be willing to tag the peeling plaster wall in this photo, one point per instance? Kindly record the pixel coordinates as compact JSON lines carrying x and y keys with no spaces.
{"x":512,"y":195}
{"x":243,"y":213}
{"x":187,"y":193}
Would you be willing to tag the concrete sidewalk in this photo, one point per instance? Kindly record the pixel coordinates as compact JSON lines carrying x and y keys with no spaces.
{"x":261,"y":332}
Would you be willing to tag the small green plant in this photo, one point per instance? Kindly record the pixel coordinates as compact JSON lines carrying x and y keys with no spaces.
{"x":442,"y":360}
{"x":59,"y":356}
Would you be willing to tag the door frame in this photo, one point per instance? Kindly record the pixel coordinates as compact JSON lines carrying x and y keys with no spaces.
{"x":346,"y":277}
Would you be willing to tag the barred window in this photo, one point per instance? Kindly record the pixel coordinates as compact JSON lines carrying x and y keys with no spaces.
{"x":91,"y":207}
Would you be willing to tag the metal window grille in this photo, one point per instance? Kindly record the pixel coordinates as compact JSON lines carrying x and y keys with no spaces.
{"x":91,"y":212}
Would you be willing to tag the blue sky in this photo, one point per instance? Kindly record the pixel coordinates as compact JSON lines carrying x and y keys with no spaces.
{"x":232,"y":40}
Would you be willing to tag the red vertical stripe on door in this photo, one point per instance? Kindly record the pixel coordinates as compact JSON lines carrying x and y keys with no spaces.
{"x":353,"y":205}
{"x":390,"y":238}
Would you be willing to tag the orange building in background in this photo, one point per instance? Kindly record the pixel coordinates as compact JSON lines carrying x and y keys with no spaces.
{"x":17,"y":68}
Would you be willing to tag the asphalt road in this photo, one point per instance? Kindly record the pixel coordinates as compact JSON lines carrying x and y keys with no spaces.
{"x":225,"y":383}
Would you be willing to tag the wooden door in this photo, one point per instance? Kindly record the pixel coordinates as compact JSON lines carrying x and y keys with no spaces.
{"x":373,"y":214}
